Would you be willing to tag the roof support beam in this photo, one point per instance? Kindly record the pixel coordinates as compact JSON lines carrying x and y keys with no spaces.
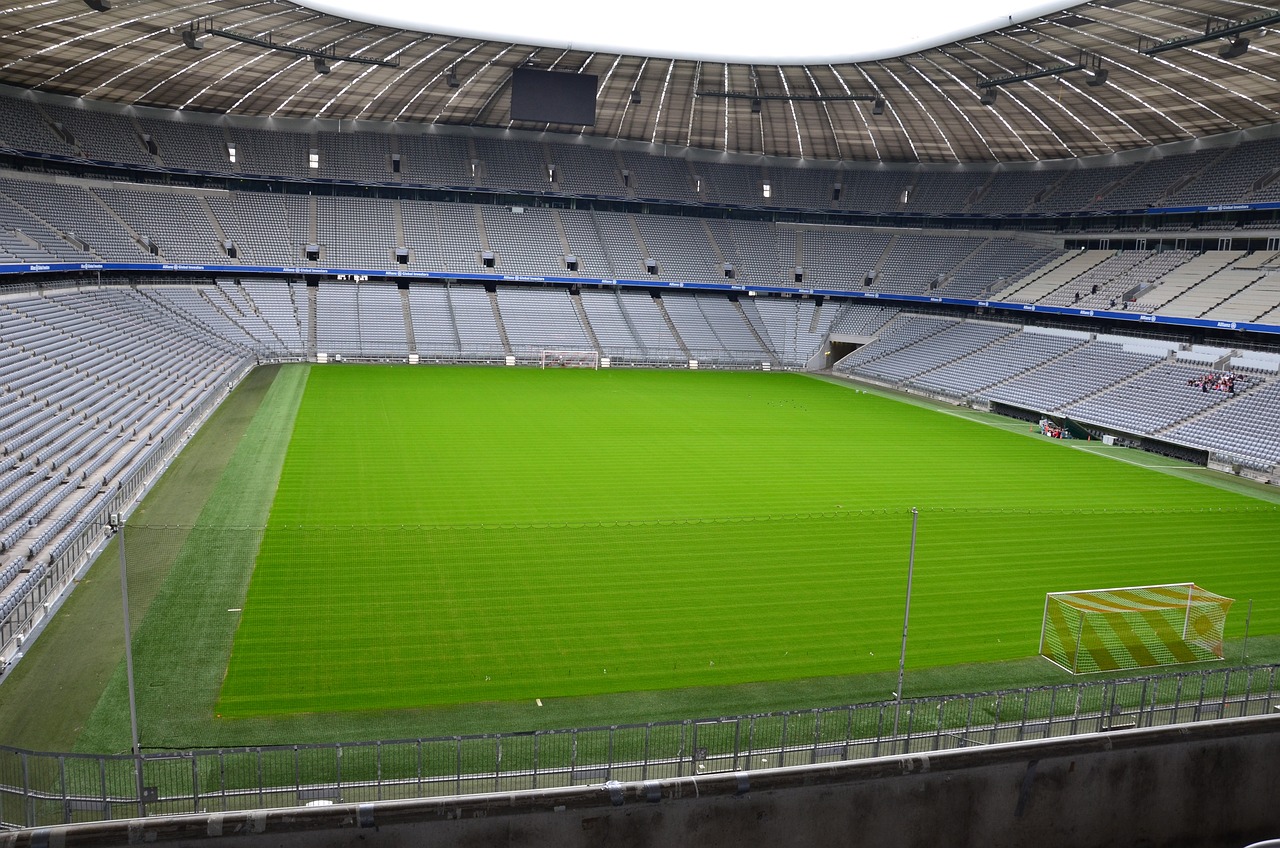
{"x":329,"y":55}
{"x":1211,"y":33}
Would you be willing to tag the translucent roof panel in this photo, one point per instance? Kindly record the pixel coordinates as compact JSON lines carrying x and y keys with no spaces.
{"x":825,"y":31}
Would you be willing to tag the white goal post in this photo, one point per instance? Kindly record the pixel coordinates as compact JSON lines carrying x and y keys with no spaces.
{"x":1133,"y":627}
{"x":571,"y":359}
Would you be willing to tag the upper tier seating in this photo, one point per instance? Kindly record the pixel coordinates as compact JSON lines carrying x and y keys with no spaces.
{"x":1246,"y":171}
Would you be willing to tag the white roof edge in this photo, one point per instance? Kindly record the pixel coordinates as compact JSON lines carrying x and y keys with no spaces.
{"x":681,"y":30}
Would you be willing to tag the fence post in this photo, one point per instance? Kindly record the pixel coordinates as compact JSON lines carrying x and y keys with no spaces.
{"x":684,"y":726}
{"x":737,"y":742}
{"x":195,"y":782}
{"x":419,"y":767}
{"x":644,"y":768}
{"x":62,"y":780}
{"x":30,"y":804}
{"x":102,"y":774}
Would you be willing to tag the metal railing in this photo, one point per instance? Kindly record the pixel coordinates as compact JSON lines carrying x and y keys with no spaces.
{"x":40,"y":789}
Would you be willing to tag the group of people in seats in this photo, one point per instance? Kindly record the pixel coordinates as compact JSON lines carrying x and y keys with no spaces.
{"x":1215,"y":382}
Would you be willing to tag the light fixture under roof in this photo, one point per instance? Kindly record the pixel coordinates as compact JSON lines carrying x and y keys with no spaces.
{"x":1235,"y":48}
{"x":675,"y":29}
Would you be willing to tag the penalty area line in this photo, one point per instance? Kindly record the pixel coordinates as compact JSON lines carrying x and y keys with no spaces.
{"x":1111,"y":455}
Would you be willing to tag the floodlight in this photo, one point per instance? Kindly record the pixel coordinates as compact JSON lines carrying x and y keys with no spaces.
{"x":988,"y":97}
{"x":755,"y":106}
{"x":635,"y":96}
{"x":99,"y":5}
{"x":1237,"y":48}
{"x":322,"y":67}
{"x":190,"y":39}
{"x":1097,"y":77}
{"x":877,"y":106}
{"x":452,"y":78}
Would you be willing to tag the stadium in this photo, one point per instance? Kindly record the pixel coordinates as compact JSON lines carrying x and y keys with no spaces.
{"x":501,"y":435}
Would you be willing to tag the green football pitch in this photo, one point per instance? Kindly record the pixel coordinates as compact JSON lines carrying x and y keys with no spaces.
{"x":458,"y":535}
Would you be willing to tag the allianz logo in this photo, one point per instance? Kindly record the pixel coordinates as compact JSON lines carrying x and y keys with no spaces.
{"x":1226,"y":325}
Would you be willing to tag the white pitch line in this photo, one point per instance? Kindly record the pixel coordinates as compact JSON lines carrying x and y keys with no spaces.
{"x":1117,"y":458}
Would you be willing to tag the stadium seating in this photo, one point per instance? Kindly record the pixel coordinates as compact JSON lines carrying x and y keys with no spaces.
{"x":94,"y":222}
{"x":1245,"y":171}
{"x":99,"y":379}
{"x":1091,"y":368}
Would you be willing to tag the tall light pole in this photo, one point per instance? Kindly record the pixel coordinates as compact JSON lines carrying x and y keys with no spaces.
{"x":117,"y":521}
{"x":906,"y":618}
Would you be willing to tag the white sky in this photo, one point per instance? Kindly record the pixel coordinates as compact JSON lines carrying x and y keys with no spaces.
{"x":766,"y":32}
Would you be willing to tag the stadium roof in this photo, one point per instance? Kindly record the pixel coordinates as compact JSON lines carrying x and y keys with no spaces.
{"x":134,"y":53}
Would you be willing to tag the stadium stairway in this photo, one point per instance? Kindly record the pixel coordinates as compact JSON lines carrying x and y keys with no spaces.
{"x":576,"y":299}
{"x":671,"y":325}
{"x":955,"y":269}
{"x":560,"y":233}
{"x":213,"y":221}
{"x":953,"y":360}
{"x":312,"y":347}
{"x":1021,"y":374}
{"x":1128,"y":378}
{"x":408,"y":321}
{"x":497,"y":317}
{"x":120,"y":222}
{"x":884,"y":256}
{"x":397,"y":216}
{"x":816,"y":321}
{"x":761,"y":333}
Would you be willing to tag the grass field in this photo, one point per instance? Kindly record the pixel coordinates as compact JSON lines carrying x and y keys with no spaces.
{"x":448,"y":536}
{"x":537,"y":528}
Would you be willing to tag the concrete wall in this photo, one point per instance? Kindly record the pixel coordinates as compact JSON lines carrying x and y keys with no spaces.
{"x":1204,"y":785}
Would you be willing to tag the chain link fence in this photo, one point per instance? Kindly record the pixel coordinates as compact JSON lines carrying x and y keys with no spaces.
{"x":41,"y":789}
